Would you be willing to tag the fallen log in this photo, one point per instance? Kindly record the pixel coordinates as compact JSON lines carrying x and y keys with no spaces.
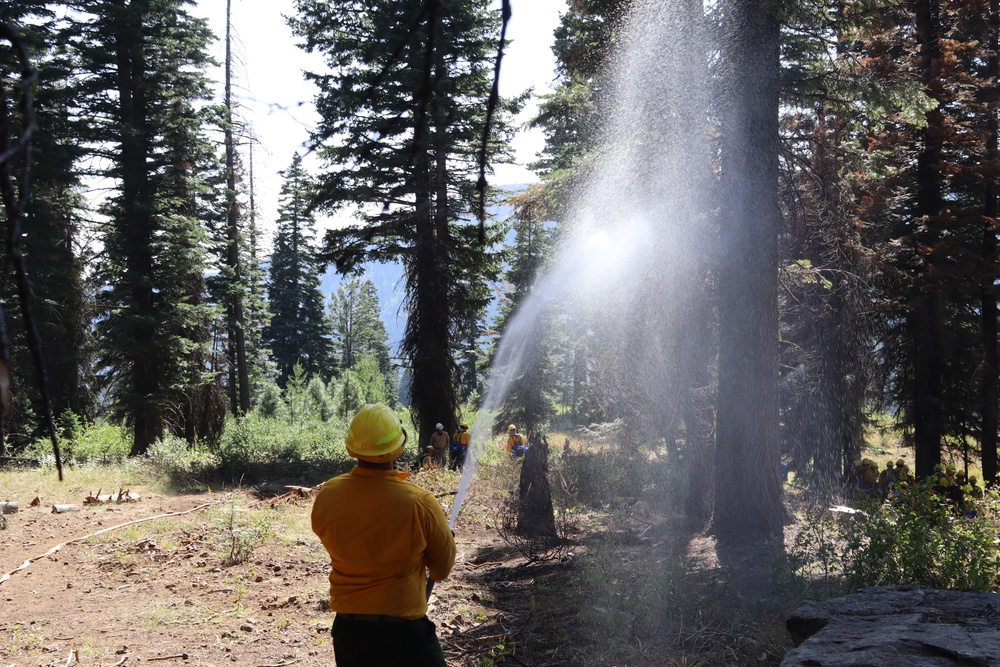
{"x":57,"y":547}
{"x":302,"y":490}
{"x":62,"y":509}
{"x":123,"y":496}
{"x":9,"y":508}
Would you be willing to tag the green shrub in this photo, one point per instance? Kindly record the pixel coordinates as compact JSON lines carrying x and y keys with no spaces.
{"x":80,"y":443}
{"x":271,"y":405}
{"x":916,"y":538}
{"x":241,"y":533}
{"x":596,"y":478}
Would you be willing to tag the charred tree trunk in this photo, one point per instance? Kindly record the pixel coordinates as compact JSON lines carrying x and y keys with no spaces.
{"x":535,"y":518}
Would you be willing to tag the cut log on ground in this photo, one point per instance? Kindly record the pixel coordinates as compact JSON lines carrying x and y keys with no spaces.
{"x":62,"y":509}
{"x":9,"y":508}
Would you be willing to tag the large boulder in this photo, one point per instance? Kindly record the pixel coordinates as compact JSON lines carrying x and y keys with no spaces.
{"x":900,"y":626}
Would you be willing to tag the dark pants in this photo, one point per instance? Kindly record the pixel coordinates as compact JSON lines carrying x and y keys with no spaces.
{"x":374,"y":643}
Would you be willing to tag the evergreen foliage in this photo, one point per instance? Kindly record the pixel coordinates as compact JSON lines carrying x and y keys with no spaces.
{"x":403,"y":105}
{"x":357,"y":325}
{"x":144,"y":65}
{"x":299,"y":331}
{"x":53,"y":227}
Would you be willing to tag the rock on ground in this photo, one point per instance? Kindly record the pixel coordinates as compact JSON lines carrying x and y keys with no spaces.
{"x":897,"y":626}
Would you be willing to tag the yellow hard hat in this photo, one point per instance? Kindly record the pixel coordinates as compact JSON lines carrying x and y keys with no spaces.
{"x":511,"y":428}
{"x":463,"y":425}
{"x":900,"y":463}
{"x":376,"y":434}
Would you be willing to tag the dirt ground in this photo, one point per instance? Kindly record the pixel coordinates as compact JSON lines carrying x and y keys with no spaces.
{"x":160,"y":591}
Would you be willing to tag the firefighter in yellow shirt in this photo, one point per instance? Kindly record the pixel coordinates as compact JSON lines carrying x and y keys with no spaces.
{"x":459,"y":447}
{"x":515,"y":443}
{"x":385,"y":537}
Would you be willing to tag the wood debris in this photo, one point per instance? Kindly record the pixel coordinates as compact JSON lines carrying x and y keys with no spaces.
{"x":57,"y":547}
{"x":290,"y":492}
{"x":179,"y":656}
{"x":36,"y":502}
{"x":61,"y":509}
{"x":123,"y":496}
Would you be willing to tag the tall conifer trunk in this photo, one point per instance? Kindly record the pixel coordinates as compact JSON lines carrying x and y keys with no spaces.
{"x":987,"y":290}
{"x":239,"y":383}
{"x":748,"y":505}
{"x":137,"y":223}
{"x":926,"y":319}
{"x":433,"y":387}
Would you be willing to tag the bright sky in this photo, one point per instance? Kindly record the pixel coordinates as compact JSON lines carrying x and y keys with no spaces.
{"x":278,"y":101}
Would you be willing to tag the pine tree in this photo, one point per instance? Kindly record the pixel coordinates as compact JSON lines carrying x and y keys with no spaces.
{"x":144,"y":62}
{"x":357,"y":325}
{"x":403,"y":110}
{"x":529,"y":401}
{"x":239,"y":377}
{"x":299,"y":332}
{"x":53,"y":224}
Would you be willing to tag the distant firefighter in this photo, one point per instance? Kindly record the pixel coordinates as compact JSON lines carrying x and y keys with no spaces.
{"x":440,"y":442}
{"x":459,"y":447}
{"x":515,"y":443}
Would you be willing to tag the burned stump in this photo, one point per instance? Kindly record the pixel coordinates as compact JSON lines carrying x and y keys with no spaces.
{"x":535,"y":518}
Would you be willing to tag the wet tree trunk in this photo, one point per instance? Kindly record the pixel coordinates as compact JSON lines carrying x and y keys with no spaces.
{"x":748,"y":503}
{"x":535,"y":518}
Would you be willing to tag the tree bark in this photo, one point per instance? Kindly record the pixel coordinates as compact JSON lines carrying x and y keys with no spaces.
{"x":535,"y":518}
{"x":748,"y":504}
{"x":234,"y":301}
{"x":926,"y":320}
{"x":987,"y":291}
{"x":138,"y":226}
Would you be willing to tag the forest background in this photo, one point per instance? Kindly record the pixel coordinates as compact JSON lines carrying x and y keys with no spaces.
{"x":161,"y":317}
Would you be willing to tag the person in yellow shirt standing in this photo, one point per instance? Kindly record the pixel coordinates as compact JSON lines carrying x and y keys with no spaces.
{"x":385,"y":538}
{"x":459,"y":447}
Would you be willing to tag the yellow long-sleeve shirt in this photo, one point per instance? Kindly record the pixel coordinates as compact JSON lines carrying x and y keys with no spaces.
{"x":381,"y":534}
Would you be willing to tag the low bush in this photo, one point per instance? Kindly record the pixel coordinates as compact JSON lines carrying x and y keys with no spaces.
{"x":83,"y":443}
{"x":595,"y":479}
{"x":917,"y":537}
